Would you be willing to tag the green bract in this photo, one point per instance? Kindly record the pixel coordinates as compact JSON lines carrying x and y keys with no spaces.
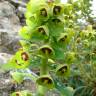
{"x":68,"y":8}
{"x":62,"y":70}
{"x":34,"y":5}
{"x":58,"y":9}
{"x":25,"y":32}
{"x":70,"y":57}
{"x":19,"y":60}
{"x":64,"y":39}
{"x":46,"y":81}
{"x":41,"y":33}
{"x":46,"y":50}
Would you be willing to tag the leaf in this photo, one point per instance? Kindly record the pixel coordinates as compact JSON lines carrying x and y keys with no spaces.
{"x":22,"y":93}
{"x":59,"y":52}
{"x":64,"y":91}
{"x":68,"y":91}
{"x":56,"y":26}
{"x":7,"y":67}
{"x":25,"y":45}
{"x":24,"y":32}
{"x":80,"y":91}
{"x":18,"y":77}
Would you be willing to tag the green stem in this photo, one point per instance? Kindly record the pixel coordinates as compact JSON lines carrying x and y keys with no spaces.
{"x":44,"y":66}
{"x":41,"y":91}
{"x":43,"y":71}
{"x":70,"y":1}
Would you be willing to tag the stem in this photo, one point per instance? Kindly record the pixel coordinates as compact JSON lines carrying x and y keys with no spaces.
{"x":43,"y":71}
{"x":44,"y":66}
{"x":70,"y":1}
{"x":41,"y":91}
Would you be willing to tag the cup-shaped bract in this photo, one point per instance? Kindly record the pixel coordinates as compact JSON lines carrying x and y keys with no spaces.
{"x":32,"y":21}
{"x":70,"y":57}
{"x":45,"y":81}
{"x":89,"y":28}
{"x":63,"y":70}
{"x":85,"y":43}
{"x":46,"y":50}
{"x":53,"y":1}
{"x":17,"y":94}
{"x":77,"y":6}
{"x":58,"y":9}
{"x":41,"y":33}
{"x":68,"y":8}
{"x":34,"y":5}
{"x":43,"y":13}
{"x":38,"y":9}
{"x":20,"y":60}
{"x":43,"y":30}
{"x":64,"y":39}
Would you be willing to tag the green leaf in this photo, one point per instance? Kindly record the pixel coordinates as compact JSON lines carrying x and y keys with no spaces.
{"x":64,"y":91}
{"x":56,"y":26}
{"x":18,"y":77}
{"x":59,"y":52}
{"x":22,"y":93}
{"x":25,"y":45}
{"x":25,"y":32}
{"x":80,"y":91}
{"x":68,"y":91}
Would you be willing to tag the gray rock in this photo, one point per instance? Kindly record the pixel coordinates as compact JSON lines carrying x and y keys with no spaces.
{"x":18,"y":2}
{"x":9,"y":27}
{"x":4,"y":58}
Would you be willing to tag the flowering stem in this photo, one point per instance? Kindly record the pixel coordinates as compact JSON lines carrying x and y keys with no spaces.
{"x":43,"y":71}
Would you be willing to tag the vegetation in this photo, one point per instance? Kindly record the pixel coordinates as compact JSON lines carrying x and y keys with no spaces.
{"x":57,"y":42}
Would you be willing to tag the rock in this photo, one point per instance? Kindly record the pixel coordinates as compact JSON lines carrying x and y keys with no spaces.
{"x":9,"y":27}
{"x":18,"y":2}
{"x":20,"y":11}
{"x":4,"y":57}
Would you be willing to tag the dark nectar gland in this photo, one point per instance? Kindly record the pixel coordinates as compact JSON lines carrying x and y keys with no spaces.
{"x":56,"y":10}
{"x":43,"y":12}
{"x":24,"y":56}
